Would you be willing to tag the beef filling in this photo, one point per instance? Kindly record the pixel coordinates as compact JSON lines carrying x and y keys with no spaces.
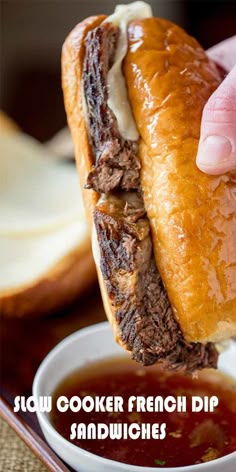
{"x":116,"y":163}
{"x":142,"y":308}
{"x":139,"y":300}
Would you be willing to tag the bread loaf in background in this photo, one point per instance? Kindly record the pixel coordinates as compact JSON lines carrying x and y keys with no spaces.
{"x":64,"y":246}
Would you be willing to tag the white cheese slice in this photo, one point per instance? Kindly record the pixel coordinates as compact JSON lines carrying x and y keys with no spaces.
{"x":117,"y":91}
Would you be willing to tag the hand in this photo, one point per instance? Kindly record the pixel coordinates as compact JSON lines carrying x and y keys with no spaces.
{"x":217,"y":146}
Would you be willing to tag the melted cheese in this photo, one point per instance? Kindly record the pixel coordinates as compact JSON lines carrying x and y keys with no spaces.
{"x":117,"y":91}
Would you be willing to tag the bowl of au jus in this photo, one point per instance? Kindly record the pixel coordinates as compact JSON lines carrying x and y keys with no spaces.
{"x":111,"y":414}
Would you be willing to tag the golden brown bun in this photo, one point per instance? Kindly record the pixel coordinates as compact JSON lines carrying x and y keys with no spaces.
{"x":192,"y":215}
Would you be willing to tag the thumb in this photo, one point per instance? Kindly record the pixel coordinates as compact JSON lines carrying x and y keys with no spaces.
{"x":217,"y":146}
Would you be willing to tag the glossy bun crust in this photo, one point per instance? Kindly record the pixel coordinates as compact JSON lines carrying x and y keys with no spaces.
{"x":192,"y":215}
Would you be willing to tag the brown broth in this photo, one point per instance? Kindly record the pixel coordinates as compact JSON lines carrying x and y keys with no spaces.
{"x":190,"y":437}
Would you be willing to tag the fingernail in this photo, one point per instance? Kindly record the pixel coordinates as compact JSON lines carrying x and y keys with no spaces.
{"x":214,"y":150}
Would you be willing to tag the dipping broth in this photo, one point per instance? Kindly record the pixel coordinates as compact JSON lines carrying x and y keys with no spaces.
{"x":191,"y":437}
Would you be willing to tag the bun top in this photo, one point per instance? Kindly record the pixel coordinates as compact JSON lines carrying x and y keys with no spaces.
{"x":192,"y":215}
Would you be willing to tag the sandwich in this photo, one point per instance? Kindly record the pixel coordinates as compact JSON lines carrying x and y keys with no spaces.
{"x":163,"y":232}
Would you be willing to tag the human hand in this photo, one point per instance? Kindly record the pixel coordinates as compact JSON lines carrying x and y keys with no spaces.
{"x":217,"y":146}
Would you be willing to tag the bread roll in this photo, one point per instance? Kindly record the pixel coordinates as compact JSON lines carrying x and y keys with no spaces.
{"x":192,"y":215}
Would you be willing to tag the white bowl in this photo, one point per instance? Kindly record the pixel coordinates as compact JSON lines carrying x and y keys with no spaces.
{"x":87,"y":345}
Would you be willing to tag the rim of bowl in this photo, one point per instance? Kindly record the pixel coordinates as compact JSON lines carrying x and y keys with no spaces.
{"x":44,"y":418}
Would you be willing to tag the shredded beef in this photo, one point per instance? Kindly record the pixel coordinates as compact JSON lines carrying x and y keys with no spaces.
{"x":142,"y":308}
{"x":147,"y":325}
{"x":116,"y":163}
